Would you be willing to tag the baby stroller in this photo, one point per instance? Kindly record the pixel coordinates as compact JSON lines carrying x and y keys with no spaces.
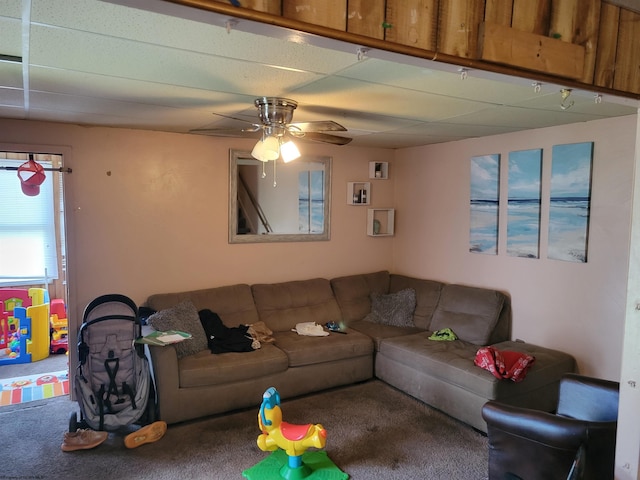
{"x":113,"y":384}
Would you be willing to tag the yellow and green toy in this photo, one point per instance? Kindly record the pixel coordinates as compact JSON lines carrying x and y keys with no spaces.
{"x":289,"y":443}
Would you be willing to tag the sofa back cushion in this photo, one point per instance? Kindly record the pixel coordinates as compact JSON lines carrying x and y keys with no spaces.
{"x":427,"y":296}
{"x":233,"y":303}
{"x":353,"y":293}
{"x":282,"y":305}
{"x":472,"y":313}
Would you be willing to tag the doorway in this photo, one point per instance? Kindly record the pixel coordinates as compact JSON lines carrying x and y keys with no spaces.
{"x":34,"y":361}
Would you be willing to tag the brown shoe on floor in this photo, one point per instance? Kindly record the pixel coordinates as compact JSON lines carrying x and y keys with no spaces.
{"x":147,"y":434}
{"x":82,"y":439}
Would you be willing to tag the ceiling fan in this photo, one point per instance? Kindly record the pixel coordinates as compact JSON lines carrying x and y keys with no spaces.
{"x":276,"y":114}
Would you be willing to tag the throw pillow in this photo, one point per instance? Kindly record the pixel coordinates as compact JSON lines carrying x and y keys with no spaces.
{"x":394,"y":309}
{"x":183,"y":317}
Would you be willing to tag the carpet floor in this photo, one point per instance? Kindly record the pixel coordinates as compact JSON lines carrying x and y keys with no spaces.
{"x":374,"y":432}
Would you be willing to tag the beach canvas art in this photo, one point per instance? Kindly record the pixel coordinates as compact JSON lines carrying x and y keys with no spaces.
{"x":570,"y":201}
{"x":484,"y":204}
{"x":523,"y":205}
{"x":311,"y":201}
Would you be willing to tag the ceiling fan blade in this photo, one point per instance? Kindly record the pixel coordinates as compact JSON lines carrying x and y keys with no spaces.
{"x":229,"y":132}
{"x":325,"y":138}
{"x":319,"y":126}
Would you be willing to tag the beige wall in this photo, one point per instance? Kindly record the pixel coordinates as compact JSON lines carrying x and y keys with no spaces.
{"x":578,"y":308}
{"x":147,"y":213}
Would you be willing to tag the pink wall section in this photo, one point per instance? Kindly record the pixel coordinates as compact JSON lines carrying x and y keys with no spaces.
{"x":147,"y":213}
{"x":578,"y":308}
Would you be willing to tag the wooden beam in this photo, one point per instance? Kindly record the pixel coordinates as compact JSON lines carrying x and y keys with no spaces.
{"x":366,"y":17}
{"x":607,"y":46}
{"x":498,"y":12}
{"x":412,"y":22}
{"x":530,"y":51}
{"x":273,"y":7}
{"x":458,"y":26}
{"x":577,"y":21}
{"x":627,"y":73}
{"x":531,"y":16}
{"x":328,"y":13}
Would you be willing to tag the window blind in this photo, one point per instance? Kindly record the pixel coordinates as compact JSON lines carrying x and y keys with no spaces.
{"x":27,"y":229}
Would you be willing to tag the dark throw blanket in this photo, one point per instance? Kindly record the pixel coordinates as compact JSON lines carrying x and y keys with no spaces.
{"x":221,"y":338}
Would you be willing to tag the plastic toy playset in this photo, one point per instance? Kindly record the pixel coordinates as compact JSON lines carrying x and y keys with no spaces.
{"x":27,"y":327}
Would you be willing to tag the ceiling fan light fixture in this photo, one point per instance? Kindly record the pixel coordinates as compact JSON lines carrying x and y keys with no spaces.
{"x":289,"y":151}
{"x":266,"y":149}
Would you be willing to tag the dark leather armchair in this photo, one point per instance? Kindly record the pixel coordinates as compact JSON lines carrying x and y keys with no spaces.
{"x":577,"y":442}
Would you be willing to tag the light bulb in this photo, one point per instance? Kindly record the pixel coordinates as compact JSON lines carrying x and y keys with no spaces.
{"x":289,"y":151}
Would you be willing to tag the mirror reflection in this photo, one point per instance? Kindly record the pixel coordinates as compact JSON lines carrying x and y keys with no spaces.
{"x":278,"y":202}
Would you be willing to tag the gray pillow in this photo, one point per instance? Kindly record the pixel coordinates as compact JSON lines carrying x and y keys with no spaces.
{"x":394,"y":309}
{"x":183,"y":317}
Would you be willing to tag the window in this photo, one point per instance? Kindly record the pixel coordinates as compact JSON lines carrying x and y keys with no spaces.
{"x":28,"y":242}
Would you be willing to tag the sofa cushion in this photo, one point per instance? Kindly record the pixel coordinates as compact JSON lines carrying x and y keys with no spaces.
{"x":394,"y":309}
{"x":303,"y":350}
{"x":183,"y":317}
{"x":205,"y":368}
{"x":353,"y":293}
{"x":471,"y":312}
{"x":378,"y":332}
{"x":283,"y":305}
{"x":453,"y":362}
{"x":427,"y":296}
{"x":234,"y":303}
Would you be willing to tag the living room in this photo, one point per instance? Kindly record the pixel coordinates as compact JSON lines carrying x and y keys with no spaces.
{"x":148,"y":213}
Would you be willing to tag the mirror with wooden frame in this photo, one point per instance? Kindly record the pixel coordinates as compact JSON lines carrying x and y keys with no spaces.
{"x":279,"y":202}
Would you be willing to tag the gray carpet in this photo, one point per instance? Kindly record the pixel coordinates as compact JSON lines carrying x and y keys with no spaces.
{"x":374,"y":432}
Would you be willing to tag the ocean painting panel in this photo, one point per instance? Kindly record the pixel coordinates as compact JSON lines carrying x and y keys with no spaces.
{"x":484,"y":205}
{"x":523,"y":206}
{"x":570,"y":201}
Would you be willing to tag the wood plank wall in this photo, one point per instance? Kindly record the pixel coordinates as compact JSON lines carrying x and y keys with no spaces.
{"x":608,"y":35}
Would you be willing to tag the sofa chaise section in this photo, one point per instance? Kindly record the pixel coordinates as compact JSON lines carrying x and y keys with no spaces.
{"x":442,"y":373}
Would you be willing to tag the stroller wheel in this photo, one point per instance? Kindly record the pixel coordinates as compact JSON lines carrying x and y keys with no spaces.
{"x":73,"y":422}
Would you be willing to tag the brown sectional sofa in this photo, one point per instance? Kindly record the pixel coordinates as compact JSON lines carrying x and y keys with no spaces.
{"x":441,"y":374}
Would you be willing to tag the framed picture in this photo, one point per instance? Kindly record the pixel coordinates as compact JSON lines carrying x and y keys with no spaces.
{"x":484,"y":204}
{"x":570,"y":201}
{"x":523,"y":205}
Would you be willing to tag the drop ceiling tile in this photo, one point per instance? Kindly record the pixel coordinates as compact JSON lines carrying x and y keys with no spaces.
{"x":121,"y":58}
{"x":360,"y":96}
{"x":11,"y":8}
{"x":138,"y":26}
{"x":124,"y":89}
{"x":10,"y":36}
{"x":11,"y":112}
{"x":520,"y":118}
{"x":99,"y":111}
{"x":10,"y":74}
{"x":452,"y":130}
{"x":444,"y":83}
{"x":581,"y":102}
{"x":11,"y":97}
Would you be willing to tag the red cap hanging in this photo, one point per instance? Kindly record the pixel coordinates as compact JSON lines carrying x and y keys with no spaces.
{"x":31,"y":176}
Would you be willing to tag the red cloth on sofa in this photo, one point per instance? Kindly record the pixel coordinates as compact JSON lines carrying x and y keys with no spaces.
{"x":504,"y":363}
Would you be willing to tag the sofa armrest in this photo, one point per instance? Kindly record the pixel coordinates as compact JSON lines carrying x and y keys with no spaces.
{"x":164,"y":363}
{"x":536,"y":426}
{"x":537,"y":445}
